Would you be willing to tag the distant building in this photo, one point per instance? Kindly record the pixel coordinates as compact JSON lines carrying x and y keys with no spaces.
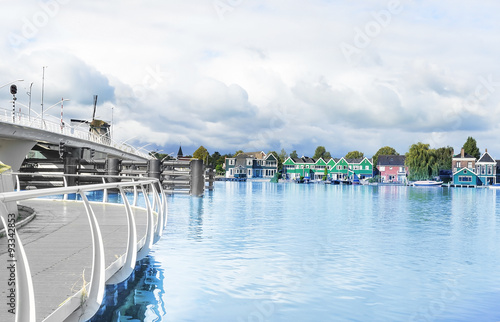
{"x":392,"y":168}
{"x":469,"y":172}
{"x":486,"y":168}
{"x":336,"y":169}
{"x":251,"y":165}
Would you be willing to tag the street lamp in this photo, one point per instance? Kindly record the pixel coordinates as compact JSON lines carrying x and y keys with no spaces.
{"x":43,"y":85}
{"x":29,"y":104}
{"x":60,"y":101}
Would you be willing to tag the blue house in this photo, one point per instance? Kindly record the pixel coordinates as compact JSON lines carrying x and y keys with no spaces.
{"x":486,"y":168}
{"x":466,"y":177}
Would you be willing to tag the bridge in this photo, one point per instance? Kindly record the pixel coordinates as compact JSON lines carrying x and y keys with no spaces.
{"x":19,"y":133}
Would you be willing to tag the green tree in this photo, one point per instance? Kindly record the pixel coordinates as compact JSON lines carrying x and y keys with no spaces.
{"x":219,"y":170}
{"x":386,"y":150}
{"x":421,"y":161}
{"x":327,"y":155}
{"x":470,"y":147}
{"x":159,"y":156}
{"x":320,"y":152}
{"x":213,"y":158}
{"x":283,"y":155}
{"x":294,"y":154}
{"x":201,"y":153}
{"x":237,"y":152}
{"x":444,"y":155}
{"x":354,"y":155}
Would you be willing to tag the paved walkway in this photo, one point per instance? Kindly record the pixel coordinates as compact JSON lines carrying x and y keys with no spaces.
{"x":59,"y":249}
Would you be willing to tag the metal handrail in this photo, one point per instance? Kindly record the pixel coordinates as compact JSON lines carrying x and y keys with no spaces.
{"x":76,"y":132}
{"x":25,"y":308}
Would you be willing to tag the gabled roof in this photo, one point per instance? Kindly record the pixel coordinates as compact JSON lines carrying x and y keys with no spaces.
{"x":391,"y":160}
{"x":269,"y":156}
{"x":486,"y":158}
{"x":465,"y":171}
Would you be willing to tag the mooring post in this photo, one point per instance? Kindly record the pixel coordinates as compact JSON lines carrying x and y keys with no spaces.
{"x":197,"y":178}
{"x":113,"y":168}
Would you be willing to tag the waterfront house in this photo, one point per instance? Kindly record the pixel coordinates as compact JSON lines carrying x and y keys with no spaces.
{"x":251,"y":165}
{"x":336,"y":169}
{"x":392,"y":168}
{"x":294,"y":168}
{"x":463,"y":160}
{"x":466,"y":177}
{"x":362,"y":167}
{"x":464,"y":170}
{"x":486,"y":168}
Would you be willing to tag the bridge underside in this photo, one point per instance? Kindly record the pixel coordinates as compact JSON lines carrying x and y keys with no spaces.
{"x":13,"y":151}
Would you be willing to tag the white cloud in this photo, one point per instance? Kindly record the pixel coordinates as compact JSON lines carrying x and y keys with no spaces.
{"x":264,"y":74}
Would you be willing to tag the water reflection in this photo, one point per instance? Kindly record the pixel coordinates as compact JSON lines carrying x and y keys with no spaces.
{"x":132,"y":300}
{"x":196,"y":209}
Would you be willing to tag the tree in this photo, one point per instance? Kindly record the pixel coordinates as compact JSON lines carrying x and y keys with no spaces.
{"x":201,"y":153}
{"x":420,"y":161}
{"x":212,"y":160}
{"x":237,"y":152}
{"x":470,"y":147}
{"x":327,"y":155}
{"x":159,"y":156}
{"x":354,"y":155}
{"x":294,"y":154}
{"x":283,"y":155}
{"x":444,"y":156}
{"x":386,"y":150}
{"x":320,"y":152}
{"x":219,"y":170}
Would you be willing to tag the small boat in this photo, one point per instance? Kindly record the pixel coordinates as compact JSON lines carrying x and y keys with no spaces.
{"x":427,"y":183}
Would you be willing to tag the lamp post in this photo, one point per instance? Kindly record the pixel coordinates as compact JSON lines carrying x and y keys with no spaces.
{"x":43,"y":86}
{"x":29,"y":102}
{"x":61,"y":101}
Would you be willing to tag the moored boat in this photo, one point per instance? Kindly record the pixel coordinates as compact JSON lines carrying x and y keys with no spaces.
{"x":427,"y":183}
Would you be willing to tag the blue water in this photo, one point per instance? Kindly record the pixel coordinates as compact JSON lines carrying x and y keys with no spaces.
{"x":289,"y":252}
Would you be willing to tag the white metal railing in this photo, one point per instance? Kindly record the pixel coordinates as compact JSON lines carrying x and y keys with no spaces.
{"x":56,"y":126}
{"x":25,"y":297}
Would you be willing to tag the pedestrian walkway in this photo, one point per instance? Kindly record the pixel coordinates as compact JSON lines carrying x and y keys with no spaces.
{"x":58,"y":246}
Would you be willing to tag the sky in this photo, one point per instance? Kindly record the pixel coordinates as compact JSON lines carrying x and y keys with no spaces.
{"x":258,"y":75}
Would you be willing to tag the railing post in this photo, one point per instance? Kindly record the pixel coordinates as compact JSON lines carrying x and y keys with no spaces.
{"x":25,"y":295}
{"x":131,"y":255}
{"x":105,"y":192}
{"x":159,"y":209}
{"x":97,"y":279}
{"x":148,"y":243}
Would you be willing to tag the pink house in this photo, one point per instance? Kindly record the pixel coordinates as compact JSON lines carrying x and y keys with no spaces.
{"x":392,"y":168}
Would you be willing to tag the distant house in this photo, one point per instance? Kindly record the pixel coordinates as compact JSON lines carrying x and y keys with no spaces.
{"x":464,"y":170}
{"x":392,"y":168}
{"x":251,"y":165}
{"x":336,"y":169}
{"x":486,"y":168}
{"x":466,"y":177}
{"x":463,"y":160}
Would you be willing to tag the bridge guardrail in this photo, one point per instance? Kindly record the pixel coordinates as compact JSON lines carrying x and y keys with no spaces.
{"x":59,"y":127}
{"x":25,"y":298}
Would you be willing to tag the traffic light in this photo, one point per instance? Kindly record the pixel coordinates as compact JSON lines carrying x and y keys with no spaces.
{"x":92,"y":154}
{"x":13,"y":89}
{"x":62,"y":148}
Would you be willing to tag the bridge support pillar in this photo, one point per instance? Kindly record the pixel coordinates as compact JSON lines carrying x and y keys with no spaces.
{"x":113,"y":168}
{"x":13,"y":151}
{"x":70,"y":167}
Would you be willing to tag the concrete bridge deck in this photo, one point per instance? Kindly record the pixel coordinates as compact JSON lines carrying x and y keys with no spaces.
{"x":59,"y":249}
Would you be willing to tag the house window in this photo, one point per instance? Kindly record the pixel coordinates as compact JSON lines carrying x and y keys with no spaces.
{"x":367,"y":167}
{"x":382,"y":168}
{"x":465,"y":178}
{"x":230,"y":172}
{"x":483,"y":170}
{"x":490,"y":170}
{"x":345,"y":167}
{"x":390,"y":168}
{"x":469,"y":164}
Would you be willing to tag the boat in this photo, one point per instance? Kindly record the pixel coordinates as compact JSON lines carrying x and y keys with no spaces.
{"x":427,"y":183}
